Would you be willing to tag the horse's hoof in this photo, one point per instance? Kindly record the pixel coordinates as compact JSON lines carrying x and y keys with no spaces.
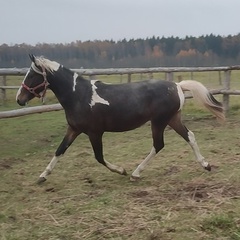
{"x":41,"y":180}
{"x":134,"y":178}
{"x":208,"y":167}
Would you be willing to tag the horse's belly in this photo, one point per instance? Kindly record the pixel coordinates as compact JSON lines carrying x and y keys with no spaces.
{"x":122,"y":124}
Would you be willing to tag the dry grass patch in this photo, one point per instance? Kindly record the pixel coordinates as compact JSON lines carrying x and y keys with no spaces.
{"x":175,"y":199}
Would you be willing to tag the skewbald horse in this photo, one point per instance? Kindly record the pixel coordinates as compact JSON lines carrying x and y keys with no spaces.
{"x":93,"y":107}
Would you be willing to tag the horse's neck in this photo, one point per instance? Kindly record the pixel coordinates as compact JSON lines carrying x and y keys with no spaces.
{"x":63,"y":85}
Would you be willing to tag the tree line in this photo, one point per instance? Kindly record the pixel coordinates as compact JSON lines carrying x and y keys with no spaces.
{"x":207,"y":50}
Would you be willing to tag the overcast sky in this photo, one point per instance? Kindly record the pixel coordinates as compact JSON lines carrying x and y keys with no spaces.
{"x":65,"y":21}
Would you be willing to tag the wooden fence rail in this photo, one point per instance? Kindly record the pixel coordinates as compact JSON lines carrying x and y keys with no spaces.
{"x":30,"y":110}
{"x":169,"y":75}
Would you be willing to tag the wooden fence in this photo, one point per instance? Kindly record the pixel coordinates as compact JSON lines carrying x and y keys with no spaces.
{"x":92,"y":73}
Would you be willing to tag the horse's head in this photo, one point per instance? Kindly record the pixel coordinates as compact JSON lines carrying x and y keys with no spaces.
{"x":35,"y":82}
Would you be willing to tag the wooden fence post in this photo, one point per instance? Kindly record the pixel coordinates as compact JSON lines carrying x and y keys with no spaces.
{"x":191,"y":75}
{"x":220,"y":78}
{"x":165,"y":76}
{"x":129,"y":77}
{"x":92,"y":77}
{"x":179,"y":77}
{"x":170,"y":76}
{"x":2,"y":90}
{"x":226,"y":85}
{"x":150,"y":75}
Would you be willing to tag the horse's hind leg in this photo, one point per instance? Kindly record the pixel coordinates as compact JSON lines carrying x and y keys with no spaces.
{"x":66,"y":142}
{"x":188,"y":135}
{"x":96,"y":141}
{"x":158,"y":144}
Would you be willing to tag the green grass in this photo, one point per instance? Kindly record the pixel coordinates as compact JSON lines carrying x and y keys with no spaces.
{"x":223,"y":225}
{"x":174,"y":200}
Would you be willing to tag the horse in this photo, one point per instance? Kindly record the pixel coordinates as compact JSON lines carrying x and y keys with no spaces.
{"x":93,"y":107}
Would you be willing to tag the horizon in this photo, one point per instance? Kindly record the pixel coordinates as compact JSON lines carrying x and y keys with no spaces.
{"x":120,"y":40}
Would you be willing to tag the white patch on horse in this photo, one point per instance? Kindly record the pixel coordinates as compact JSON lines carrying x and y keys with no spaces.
{"x":181,"y":96}
{"x":20,"y":89}
{"x":75,"y":76}
{"x":95,"y":97}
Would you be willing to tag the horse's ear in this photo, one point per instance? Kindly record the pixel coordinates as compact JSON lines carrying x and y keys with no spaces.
{"x":32,"y":57}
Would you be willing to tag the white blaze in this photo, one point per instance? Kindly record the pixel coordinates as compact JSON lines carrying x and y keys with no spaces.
{"x":20,"y":89}
{"x":95,"y":97}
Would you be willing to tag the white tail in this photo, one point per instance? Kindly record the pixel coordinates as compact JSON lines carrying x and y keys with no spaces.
{"x":202,"y":95}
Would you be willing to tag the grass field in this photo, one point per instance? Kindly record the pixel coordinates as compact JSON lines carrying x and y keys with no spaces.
{"x":174,"y":200}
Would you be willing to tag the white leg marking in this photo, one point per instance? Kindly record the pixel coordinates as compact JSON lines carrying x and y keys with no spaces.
{"x":95,"y":97}
{"x":140,"y":168}
{"x":75,"y":76}
{"x":194,"y":146}
{"x":49,"y":167}
{"x":115,"y":168}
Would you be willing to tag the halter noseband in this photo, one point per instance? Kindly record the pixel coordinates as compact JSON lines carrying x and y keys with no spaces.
{"x":44,"y":84}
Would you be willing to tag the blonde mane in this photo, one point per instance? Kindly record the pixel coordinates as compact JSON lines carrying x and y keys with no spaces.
{"x":50,"y":66}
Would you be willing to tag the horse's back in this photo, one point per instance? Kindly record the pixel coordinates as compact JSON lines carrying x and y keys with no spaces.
{"x":133,"y":104}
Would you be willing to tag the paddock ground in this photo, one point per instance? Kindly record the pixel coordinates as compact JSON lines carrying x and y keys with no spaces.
{"x":175,"y":198}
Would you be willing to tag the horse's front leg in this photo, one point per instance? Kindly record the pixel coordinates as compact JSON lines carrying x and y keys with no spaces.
{"x":66,"y":142}
{"x":96,"y":141}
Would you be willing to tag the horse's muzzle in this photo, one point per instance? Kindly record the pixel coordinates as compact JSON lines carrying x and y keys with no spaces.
{"x":21,"y":103}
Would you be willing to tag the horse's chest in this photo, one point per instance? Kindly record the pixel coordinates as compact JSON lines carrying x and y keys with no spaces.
{"x":78,"y":119}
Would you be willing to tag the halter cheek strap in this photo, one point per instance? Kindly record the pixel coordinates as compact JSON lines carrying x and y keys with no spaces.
{"x":44,"y":84}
